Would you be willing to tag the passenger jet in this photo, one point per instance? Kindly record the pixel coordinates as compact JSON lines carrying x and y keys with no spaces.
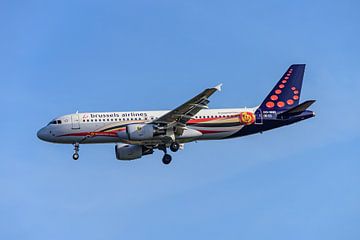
{"x":138,"y":133}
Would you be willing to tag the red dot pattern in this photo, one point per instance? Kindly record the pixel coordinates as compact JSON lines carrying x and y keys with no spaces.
{"x":274,"y":98}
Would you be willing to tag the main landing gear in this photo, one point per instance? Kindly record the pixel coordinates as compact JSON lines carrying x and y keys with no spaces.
{"x":76,"y":149}
{"x":174,"y":147}
{"x":166,"y":159}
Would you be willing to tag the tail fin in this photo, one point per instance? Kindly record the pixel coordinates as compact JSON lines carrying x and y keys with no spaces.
{"x":286,"y":93}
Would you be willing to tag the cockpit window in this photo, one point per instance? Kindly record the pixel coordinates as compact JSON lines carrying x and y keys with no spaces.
{"x":55,"y":122}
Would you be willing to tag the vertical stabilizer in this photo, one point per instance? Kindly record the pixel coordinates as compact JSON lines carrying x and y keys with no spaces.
{"x":286,"y":93}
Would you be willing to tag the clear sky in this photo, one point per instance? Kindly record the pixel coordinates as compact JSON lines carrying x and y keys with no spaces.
{"x":297,"y":182}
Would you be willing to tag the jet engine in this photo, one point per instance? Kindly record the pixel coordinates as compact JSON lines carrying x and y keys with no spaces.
{"x":131,"y":152}
{"x":127,"y":152}
{"x":137,"y":131}
{"x":140,"y":131}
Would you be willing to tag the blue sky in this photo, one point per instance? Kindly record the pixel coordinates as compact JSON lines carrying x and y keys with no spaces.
{"x":297,"y":182}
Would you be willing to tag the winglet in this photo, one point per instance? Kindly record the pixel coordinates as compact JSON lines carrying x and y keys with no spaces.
{"x":218,"y":87}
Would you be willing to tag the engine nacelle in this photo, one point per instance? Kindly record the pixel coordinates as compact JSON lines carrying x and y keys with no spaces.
{"x":140,"y":131}
{"x":137,"y":132}
{"x":127,"y":151}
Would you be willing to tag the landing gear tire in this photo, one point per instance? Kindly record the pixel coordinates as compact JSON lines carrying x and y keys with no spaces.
{"x":76,"y":149}
{"x":174,"y":147}
{"x":166,"y":159}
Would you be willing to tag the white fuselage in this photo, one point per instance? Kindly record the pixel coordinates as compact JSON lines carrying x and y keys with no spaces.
{"x":101,"y":127}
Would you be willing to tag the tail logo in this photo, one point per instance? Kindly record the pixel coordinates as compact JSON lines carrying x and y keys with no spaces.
{"x":247,"y":118}
{"x":275,"y":97}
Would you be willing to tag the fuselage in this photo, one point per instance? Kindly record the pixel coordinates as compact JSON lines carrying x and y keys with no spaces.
{"x":103,"y":127}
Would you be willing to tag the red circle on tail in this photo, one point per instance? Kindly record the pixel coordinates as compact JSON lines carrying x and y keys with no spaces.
{"x":270,"y":104}
{"x":274,"y":97}
{"x":290,"y":102}
{"x":280,"y":104}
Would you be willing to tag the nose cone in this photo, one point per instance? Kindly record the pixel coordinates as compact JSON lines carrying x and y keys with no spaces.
{"x":42,"y":134}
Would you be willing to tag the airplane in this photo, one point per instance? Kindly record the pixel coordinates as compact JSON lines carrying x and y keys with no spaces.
{"x":139,"y":133}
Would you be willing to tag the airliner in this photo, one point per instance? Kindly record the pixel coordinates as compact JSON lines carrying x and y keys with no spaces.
{"x":139,"y":133}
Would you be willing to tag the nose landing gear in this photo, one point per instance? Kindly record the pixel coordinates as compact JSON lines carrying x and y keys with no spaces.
{"x":76,"y":149}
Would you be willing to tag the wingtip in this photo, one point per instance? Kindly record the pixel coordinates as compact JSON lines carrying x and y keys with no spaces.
{"x":218,"y":87}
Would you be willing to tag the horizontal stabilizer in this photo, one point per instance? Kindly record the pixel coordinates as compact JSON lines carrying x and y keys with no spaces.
{"x":297,"y":109}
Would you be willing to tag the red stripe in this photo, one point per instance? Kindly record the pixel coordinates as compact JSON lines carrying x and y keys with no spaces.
{"x":84,"y":134}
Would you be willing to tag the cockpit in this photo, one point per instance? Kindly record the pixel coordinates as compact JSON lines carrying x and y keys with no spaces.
{"x":54,"y":122}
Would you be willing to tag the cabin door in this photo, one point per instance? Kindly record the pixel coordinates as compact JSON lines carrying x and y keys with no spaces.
{"x":75,"y":121}
{"x":258,"y":117}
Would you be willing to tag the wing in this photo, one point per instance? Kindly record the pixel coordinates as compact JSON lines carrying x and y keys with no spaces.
{"x":182,"y":114}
